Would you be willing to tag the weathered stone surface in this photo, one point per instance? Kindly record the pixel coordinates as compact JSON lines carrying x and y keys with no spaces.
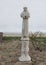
{"x":25,"y":39}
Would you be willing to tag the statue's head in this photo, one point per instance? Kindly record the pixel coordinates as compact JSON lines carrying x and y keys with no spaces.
{"x":25,"y":8}
{"x":25,"y":14}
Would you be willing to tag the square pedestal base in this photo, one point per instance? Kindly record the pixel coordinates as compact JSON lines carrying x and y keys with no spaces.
{"x":25,"y":58}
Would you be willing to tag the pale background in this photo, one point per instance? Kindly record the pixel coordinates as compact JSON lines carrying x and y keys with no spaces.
{"x":10,"y":10}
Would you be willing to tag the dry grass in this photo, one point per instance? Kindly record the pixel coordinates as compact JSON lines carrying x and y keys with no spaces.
{"x":10,"y":52}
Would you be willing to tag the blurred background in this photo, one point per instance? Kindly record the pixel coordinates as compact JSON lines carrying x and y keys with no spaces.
{"x":11,"y":21}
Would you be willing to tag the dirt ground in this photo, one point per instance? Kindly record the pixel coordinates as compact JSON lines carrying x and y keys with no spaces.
{"x":10,"y":52}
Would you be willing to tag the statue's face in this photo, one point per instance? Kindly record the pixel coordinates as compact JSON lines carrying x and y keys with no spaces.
{"x":25,"y":8}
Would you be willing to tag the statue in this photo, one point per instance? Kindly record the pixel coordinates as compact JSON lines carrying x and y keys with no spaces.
{"x":25,"y":39}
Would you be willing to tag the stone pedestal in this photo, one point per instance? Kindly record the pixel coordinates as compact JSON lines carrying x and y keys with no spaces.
{"x":24,"y":50}
{"x":25,"y":39}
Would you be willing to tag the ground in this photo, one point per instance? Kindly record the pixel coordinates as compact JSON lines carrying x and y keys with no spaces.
{"x":10,"y":52}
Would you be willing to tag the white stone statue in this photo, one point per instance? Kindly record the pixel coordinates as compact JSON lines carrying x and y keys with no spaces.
{"x":25,"y":15}
{"x":25,"y":39}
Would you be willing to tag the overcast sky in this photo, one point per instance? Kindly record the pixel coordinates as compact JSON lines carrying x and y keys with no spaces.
{"x":10,"y":10}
